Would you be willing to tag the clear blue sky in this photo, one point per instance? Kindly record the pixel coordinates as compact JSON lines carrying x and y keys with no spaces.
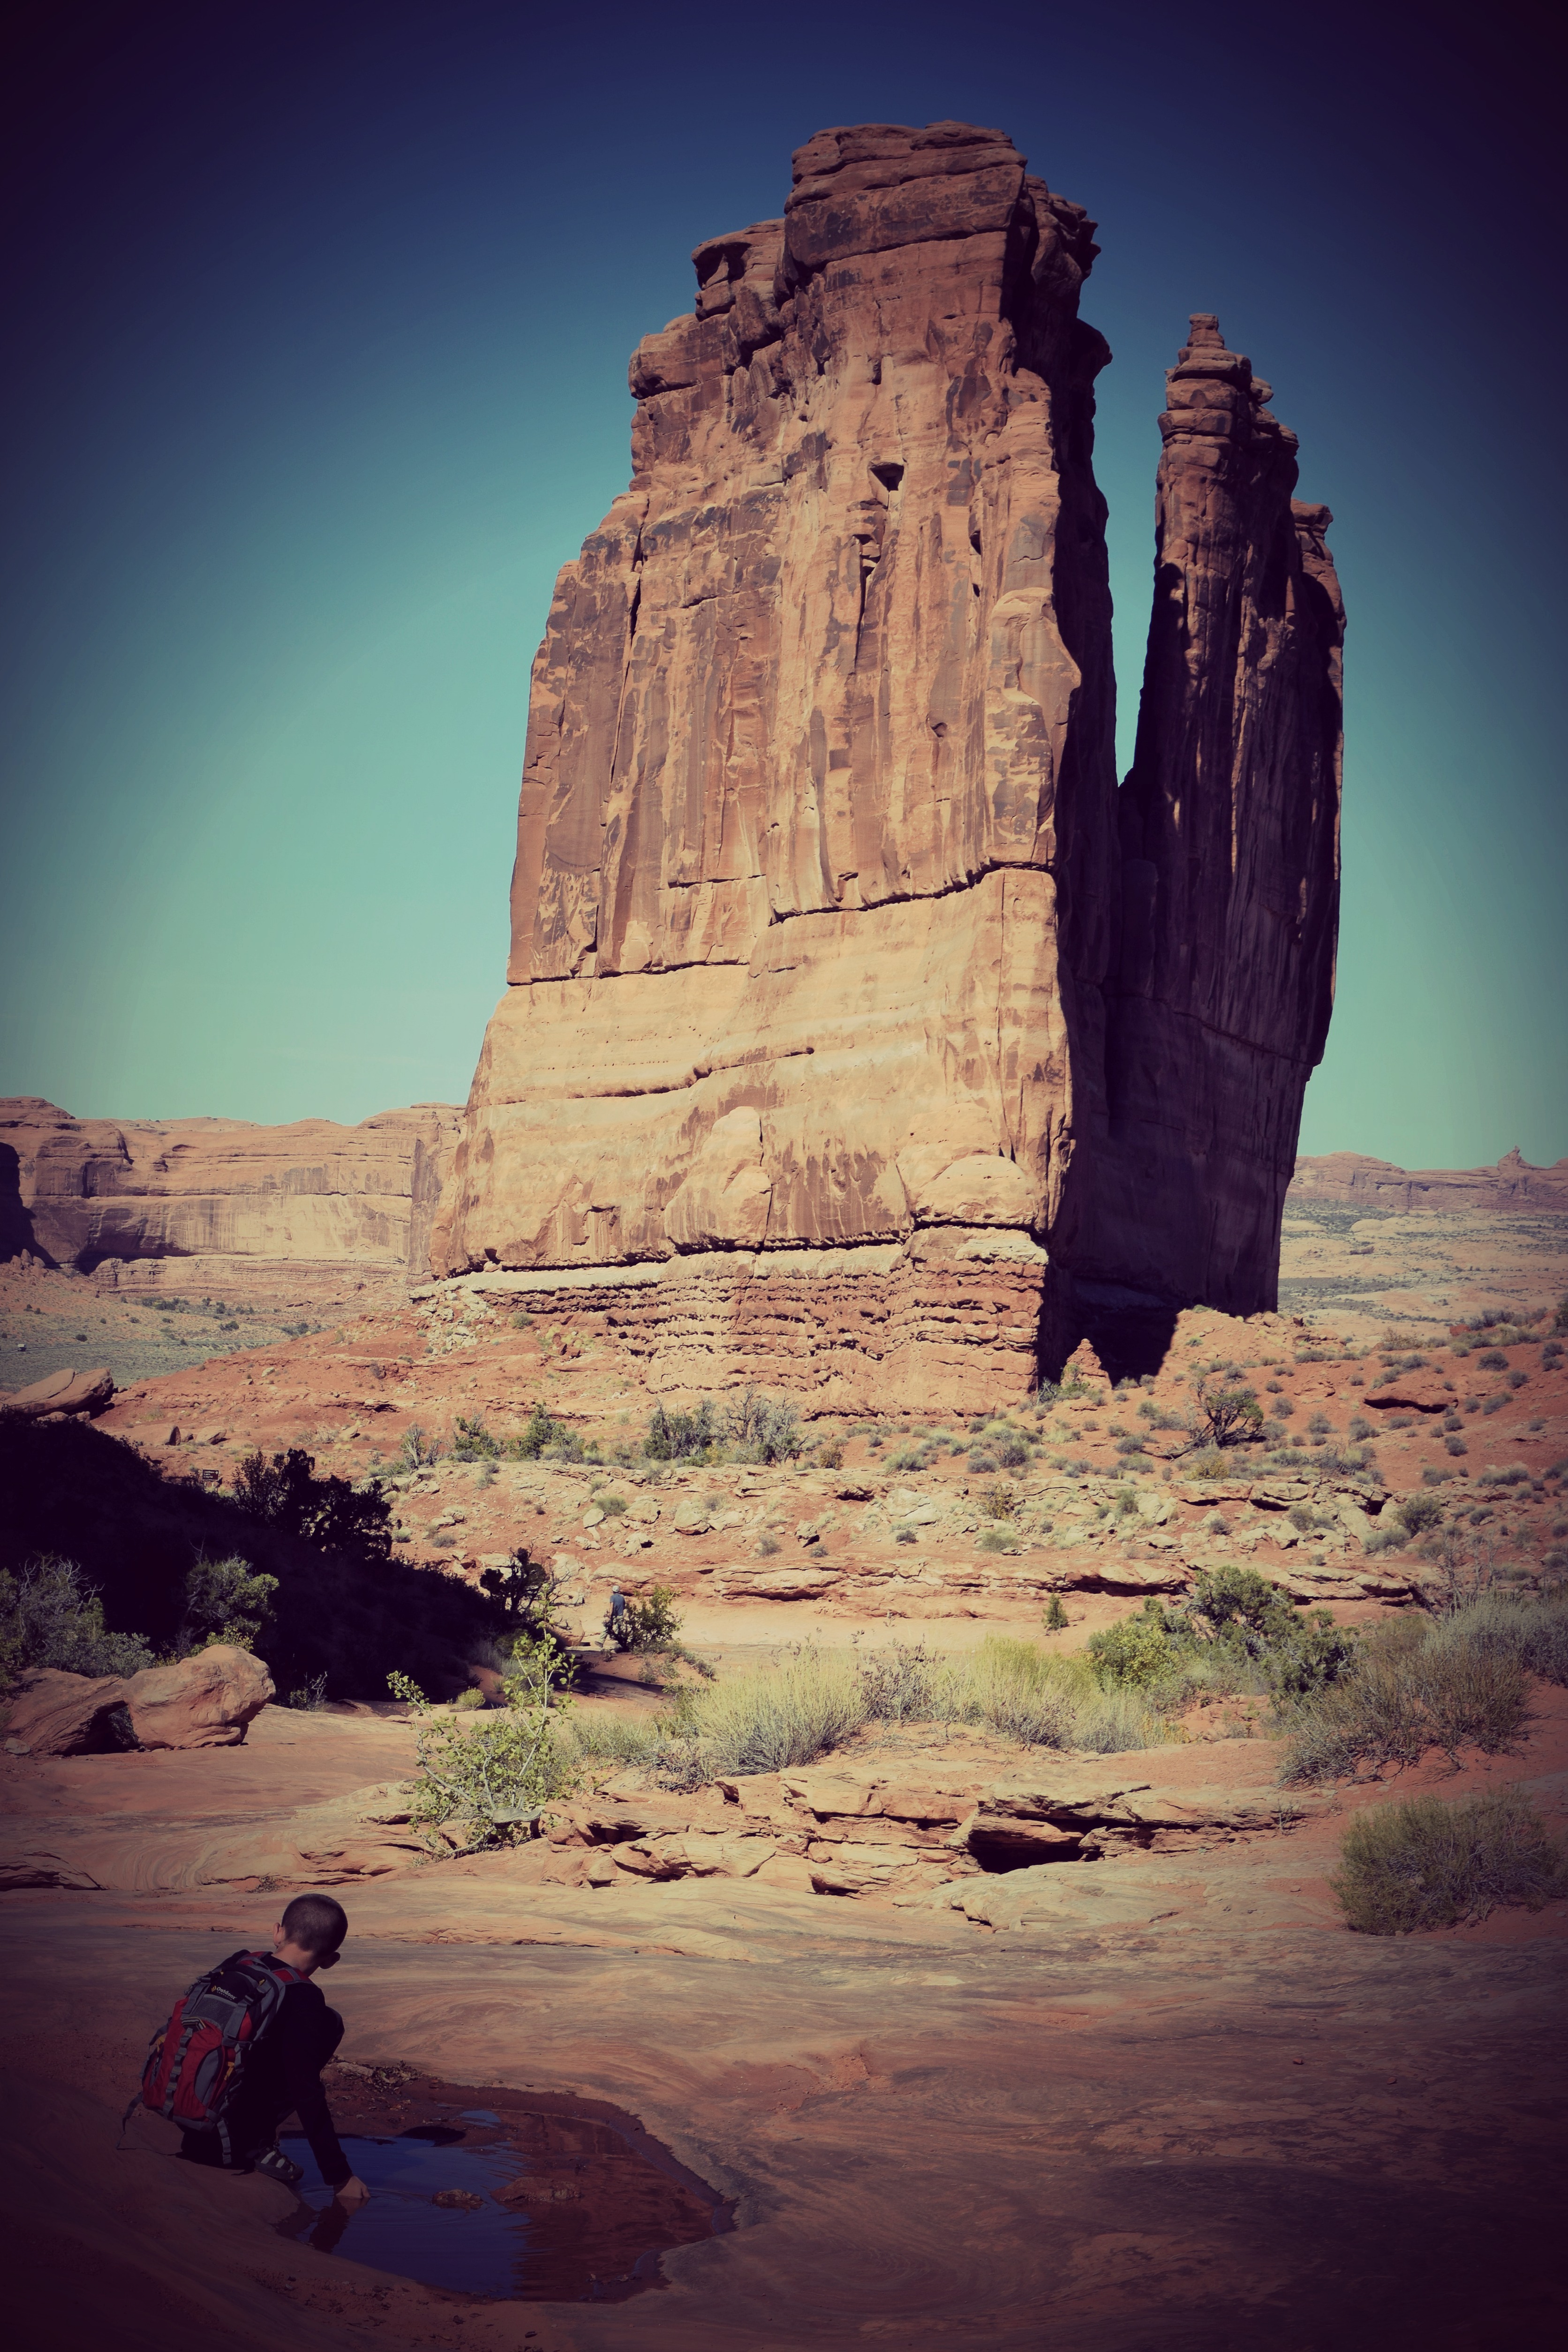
{"x":319,"y":317}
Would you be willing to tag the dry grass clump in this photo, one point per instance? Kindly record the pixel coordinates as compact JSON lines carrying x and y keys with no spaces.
{"x":1423,"y":1863}
{"x":1460,"y":1681}
{"x":814,"y":1702}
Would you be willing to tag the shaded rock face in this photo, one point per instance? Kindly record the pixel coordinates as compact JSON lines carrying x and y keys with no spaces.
{"x":89,"y":1194}
{"x":817,"y":927}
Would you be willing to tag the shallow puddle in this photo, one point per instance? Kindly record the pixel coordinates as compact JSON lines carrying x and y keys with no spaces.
{"x":509,"y":2201}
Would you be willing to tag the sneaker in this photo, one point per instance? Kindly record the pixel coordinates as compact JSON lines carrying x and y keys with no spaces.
{"x":278,"y":2167}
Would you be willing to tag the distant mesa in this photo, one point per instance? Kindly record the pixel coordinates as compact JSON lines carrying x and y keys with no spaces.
{"x":850,"y":996}
{"x":1350,"y":1180}
{"x":216,"y":1204}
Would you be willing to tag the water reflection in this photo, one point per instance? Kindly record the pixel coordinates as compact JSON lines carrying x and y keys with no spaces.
{"x":562,"y":2208}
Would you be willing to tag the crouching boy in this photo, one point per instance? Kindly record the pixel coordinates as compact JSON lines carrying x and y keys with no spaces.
{"x":281,"y":2070}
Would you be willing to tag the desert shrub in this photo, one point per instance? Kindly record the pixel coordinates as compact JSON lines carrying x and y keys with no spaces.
{"x":1136,"y":1653}
{"x":802,"y":1707}
{"x":647,"y":1624}
{"x":1415,"y":1684}
{"x":1210,"y":1464}
{"x":1311,"y":1656}
{"x":1532,"y":1632}
{"x":1423,"y":1863}
{"x":1228,"y":1416}
{"x":999,"y":1501}
{"x":476,"y":1787}
{"x":904,"y":1535}
{"x":1042,"y":1700}
{"x":995,"y":1540}
{"x":830,"y":1456}
{"x":1420,"y":1513}
{"x":225,"y":1600}
{"x":1236,"y":1605}
{"x":1055,"y":1616}
{"x":540,"y":1430}
{"x":1494,"y":1361}
{"x":763,"y":1429}
{"x":981,"y":1464}
{"x":613,"y":1505}
{"x":417,"y":1451}
{"x":677,"y":1436}
{"x":899,"y":1684}
{"x":767,"y":1546}
{"x":49,"y":1616}
{"x":468,"y":1702}
{"x":1011,"y":1451}
{"x":1517,"y":1379}
{"x":472,"y":1441}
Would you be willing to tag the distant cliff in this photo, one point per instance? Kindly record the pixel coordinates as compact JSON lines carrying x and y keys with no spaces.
{"x":1349,"y":1180}
{"x":89,"y":1194}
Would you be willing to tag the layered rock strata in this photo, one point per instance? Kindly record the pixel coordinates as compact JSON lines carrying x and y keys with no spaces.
{"x":817,"y":927}
{"x":1350,"y":1180}
{"x":217,"y":1201}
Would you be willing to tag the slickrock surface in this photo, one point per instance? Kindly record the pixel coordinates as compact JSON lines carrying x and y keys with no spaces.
{"x":1161,"y":2097}
{"x":838,"y":977}
{"x":221,"y":1206}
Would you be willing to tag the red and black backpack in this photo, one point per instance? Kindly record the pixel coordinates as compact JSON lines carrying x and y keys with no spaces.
{"x":196,"y":2062}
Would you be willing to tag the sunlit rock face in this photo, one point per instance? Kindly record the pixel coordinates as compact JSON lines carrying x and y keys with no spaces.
{"x":818,"y":938}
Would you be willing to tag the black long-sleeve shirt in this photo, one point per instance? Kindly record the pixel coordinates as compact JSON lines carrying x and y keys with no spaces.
{"x":282,"y":2077}
{"x":290,"y":2056}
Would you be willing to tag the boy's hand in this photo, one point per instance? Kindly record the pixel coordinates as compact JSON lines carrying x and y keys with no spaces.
{"x":352,"y":2192}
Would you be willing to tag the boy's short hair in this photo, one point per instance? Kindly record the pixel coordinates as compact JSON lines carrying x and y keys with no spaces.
{"x":315,"y":1922}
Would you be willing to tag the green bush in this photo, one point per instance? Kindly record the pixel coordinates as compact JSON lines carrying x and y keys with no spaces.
{"x":476,"y":1784}
{"x":539,"y":1431}
{"x":649,"y":1624}
{"x":1136,"y":1653}
{"x":225,"y":1600}
{"x":329,"y":1512}
{"x":473,"y":1442}
{"x":677,"y":1436}
{"x":1055,"y":1617}
{"x":1423,"y":1863}
{"x":50,"y":1617}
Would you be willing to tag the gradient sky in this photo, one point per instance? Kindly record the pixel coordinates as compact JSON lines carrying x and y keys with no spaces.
{"x":318,"y":322}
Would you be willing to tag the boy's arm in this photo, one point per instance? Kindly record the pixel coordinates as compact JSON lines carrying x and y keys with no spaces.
{"x":302,"y":2089}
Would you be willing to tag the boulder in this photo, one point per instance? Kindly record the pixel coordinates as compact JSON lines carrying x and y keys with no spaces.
{"x":204,"y":1701}
{"x":1415,"y":1391}
{"x":63,"y":1392}
{"x":56,"y":1714}
{"x":778,"y":1583}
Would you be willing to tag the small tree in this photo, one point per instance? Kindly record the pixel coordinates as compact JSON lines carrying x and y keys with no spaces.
{"x":225,"y":1600}
{"x":1227,"y":1416}
{"x":327,"y":1512}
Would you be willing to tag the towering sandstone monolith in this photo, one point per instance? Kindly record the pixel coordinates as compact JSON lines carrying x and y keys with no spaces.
{"x":860,"y":1036}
